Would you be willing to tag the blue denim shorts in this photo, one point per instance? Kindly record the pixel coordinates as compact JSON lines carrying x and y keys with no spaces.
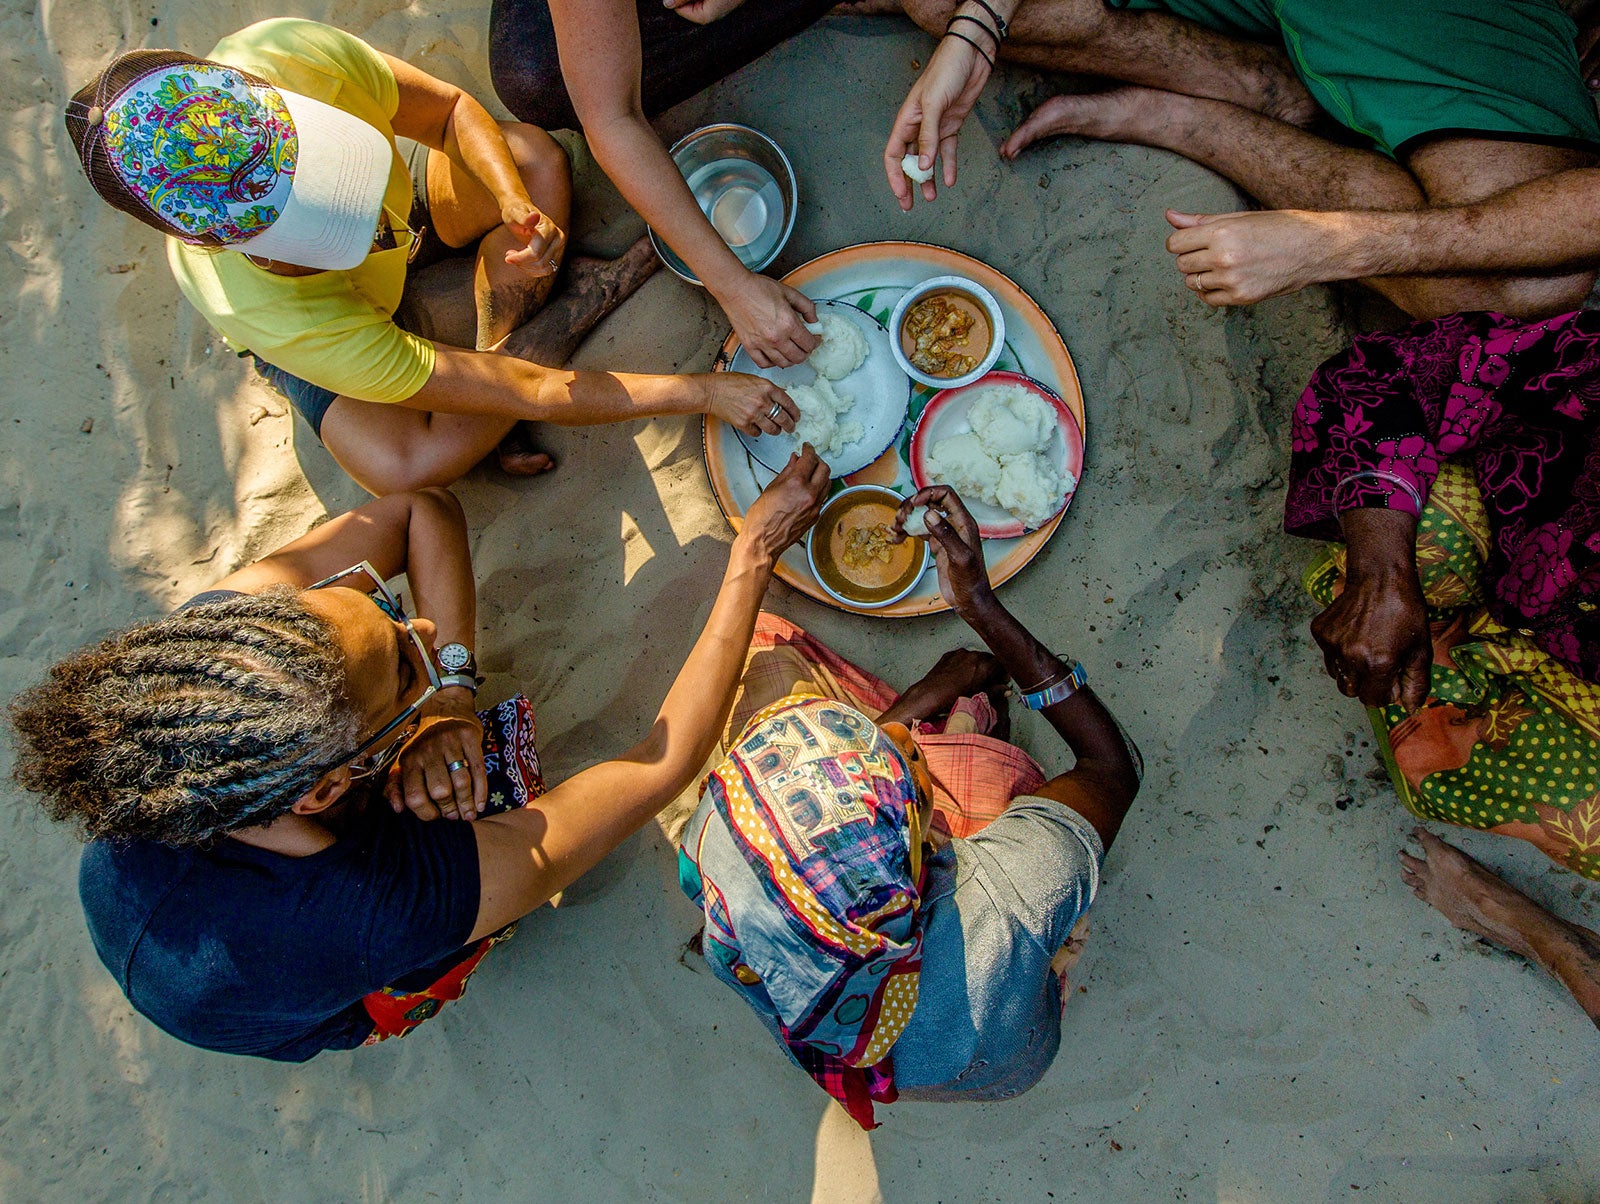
{"x":311,"y":400}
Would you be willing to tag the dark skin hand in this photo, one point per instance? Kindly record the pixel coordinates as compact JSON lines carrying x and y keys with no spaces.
{"x":960,"y":673}
{"x":1375,"y":638}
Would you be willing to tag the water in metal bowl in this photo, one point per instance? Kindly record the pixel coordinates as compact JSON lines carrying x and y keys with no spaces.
{"x":744,"y":185}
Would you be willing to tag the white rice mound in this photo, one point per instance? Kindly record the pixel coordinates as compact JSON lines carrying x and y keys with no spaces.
{"x":1001,"y":460}
{"x":843,"y":348}
{"x":821,"y":408}
{"x":910,"y":164}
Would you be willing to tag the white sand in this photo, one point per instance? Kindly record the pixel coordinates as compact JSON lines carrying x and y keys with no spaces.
{"x":1269,"y":1015}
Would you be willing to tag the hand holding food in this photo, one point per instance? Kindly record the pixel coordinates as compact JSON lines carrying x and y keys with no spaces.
{"x":926,"y":127}
{"x":788,"y":506}
{"x":957,"y":546}
{"x":1001,"y":458}
{"x":749,"y":403}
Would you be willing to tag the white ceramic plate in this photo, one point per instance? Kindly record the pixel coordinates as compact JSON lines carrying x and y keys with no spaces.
{"x":881,"y":388}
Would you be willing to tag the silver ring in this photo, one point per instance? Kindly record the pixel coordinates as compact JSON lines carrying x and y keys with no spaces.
{"x":456,"y":765}
{"x":776,"y":409}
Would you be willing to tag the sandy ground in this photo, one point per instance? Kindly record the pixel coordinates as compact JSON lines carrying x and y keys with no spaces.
{"x":1266,"y":1013}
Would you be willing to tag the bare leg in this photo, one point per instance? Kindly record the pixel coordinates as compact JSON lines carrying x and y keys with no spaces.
{"x":593,"y":289}
{"x":1287,"y":168}
{"x":1151,"y":48}
{"x":1472,"y":898}
{"x":465,"y":211}
{"x":389,"y":448}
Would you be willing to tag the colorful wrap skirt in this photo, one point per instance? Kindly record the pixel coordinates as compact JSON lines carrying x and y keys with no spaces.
{"x":1509,"y":738}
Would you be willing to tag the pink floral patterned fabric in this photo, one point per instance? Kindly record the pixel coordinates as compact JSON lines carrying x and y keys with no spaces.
{"x":1517,"y":402}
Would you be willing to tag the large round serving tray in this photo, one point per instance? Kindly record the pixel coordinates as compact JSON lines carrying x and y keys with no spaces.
{"x":872,"y":276}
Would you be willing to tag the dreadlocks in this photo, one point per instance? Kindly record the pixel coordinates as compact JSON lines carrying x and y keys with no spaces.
{"x":182,"y":729}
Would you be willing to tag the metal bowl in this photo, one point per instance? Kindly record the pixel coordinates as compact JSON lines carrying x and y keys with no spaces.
{"x":843,"y":500}
{"x":975,"y":292}
{"x":744,"y":185}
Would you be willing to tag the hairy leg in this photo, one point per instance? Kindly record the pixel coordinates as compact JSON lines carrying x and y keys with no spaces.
{"x":1472,"y":898}
{"x":390,"y":448}
{"x":1460,"y":171}
{"x":464,"y":211}
{"x":1287,"y":168}
{"x":1151,"y":48}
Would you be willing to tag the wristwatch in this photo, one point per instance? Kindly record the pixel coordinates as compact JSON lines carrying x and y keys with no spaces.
{"x":459,"y":665}
{"x":1054,"y":692}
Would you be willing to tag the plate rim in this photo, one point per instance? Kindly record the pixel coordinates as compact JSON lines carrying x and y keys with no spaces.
{"x":923,"y":253}
{"x":1060,"y":405}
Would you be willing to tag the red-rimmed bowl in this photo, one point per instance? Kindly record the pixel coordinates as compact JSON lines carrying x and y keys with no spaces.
{"x":946,"y":415}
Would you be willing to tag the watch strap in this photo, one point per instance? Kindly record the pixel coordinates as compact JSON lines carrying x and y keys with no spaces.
{"x":1060,"y":691}
{"x":465,"y":680}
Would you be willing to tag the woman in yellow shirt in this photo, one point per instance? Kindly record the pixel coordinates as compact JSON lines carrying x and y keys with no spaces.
{"x":293,"y":218}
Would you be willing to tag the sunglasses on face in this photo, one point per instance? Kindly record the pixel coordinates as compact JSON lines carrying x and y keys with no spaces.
{"x":363,"y":761}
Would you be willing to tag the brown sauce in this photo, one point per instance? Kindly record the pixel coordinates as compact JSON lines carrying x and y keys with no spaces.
{"x":859,"y":562}
{"x":946,"y":333}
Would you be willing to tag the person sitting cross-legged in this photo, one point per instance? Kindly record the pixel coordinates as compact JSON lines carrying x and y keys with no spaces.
{"x":303,"y":178}
{"x":1466,"y":175}
{"x":893,"y":887}
{"x":257,"y":771}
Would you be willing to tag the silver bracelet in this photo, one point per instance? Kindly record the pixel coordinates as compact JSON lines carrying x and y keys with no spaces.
{"x":1378,"y":474}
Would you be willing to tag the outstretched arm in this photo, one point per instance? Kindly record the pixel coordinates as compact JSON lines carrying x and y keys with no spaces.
{"x":601,"y":61}
{"x":1546,"y":225}
{"x":1102,"y":784}
{"x":527,"y":856}
{"x":486,"y":382}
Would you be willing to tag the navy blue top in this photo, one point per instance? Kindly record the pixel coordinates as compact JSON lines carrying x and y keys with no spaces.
{"x":237,"y":949}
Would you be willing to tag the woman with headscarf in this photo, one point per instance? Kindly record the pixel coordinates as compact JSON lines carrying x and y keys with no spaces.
{"x":891,"y":885}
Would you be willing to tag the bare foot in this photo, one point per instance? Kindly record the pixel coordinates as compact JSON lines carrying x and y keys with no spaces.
{"x":1468,"y":895}
{"x":1118,"y":115}
{"x":517,"y":455}
{"x":593,"y":288}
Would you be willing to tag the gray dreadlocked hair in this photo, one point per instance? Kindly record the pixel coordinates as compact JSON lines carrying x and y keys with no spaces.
{"x":182,"y":729}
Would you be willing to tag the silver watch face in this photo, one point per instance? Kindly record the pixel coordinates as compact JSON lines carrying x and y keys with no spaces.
{"x":454,"y":657}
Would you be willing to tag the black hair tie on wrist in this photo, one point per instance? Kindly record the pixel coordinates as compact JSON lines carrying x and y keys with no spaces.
{"x":980,"y":25}
{"x":984,"y":54}
{"x":999,"y":21}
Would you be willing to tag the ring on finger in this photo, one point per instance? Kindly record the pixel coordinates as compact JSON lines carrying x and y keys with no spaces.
{"x":777,"y":408}
{"x":456,"y":766}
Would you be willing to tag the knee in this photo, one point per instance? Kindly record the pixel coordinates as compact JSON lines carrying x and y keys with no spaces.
{"x":538,"y":156}
{"x":1530,"y":298}
{"x":438,"y":501}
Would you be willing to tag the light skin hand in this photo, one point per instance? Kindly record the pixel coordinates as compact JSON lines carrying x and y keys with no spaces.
{"x":421,"y":780}
{"x":543,"y":240}
{"x":1375,"y":639}
{"x":703,"y":12}
{"x":769,"y":317}
{"x":746,"y":403}
{"x":1242,"y":258}
{"x":788,"y":506}
{"x":932,"y":115}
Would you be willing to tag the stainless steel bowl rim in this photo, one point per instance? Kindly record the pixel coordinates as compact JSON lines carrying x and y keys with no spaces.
{"x":667,"y":255}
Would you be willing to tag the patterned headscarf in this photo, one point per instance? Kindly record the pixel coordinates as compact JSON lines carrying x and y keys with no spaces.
{"x":801,"y":858}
